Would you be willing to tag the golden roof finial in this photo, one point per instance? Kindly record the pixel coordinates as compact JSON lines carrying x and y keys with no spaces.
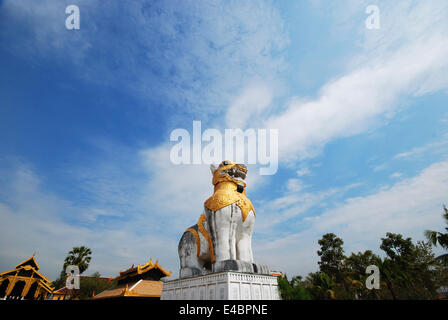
{"x":125,"y":290}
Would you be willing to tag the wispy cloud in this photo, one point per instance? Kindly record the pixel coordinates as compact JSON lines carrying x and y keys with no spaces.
{"x":123,"y":224}
{"x":252,"y":102}
{"x":220,"y":60}
{"x":408,"y":207}
{"x":176,"y":193}
{"x":192,"y":56}
{"x":395,"y":64}
{"x":303,"y":172}
{"x":440,"y":147}
{"x":294,"y":202}
{"x":396,"y":175}
{"x":37,"y":219}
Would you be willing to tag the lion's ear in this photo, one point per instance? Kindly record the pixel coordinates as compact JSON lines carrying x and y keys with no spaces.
{"x":213,"y":168}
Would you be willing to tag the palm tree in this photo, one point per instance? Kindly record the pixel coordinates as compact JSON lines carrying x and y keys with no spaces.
{"x":441,"y":238}
{"x":78,"y":256}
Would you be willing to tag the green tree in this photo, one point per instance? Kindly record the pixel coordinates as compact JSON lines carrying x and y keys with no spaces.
{"x":397,"y":248}
{"x":93,"y":285}
{"x":425,"y":271}
{"x":331,"y":255}
{"x":396,"y":266}
{"x":357,"y":263}
{"x":321,"y":286}
{"x":409,"y":270}
{"x":78,"y":256}
{"x":294,"y":289}
{"x":440,"y":238}
{"x":355,"y":274}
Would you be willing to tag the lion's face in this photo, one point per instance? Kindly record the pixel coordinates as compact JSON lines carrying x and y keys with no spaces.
{"x":228,"y":169}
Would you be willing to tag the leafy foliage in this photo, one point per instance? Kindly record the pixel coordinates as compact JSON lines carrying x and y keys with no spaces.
{"x":331,"y":255}
{"x":321,"y":286}
{"x":78,"y":256}
{"x":408,"y":271}
{"x":294,"y":289}
{"x":440,"y":238}
{"x":93,"y":285}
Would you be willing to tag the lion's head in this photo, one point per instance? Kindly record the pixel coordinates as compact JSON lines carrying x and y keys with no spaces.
{"x":230,"y":171}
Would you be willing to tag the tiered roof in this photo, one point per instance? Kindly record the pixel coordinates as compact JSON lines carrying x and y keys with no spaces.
{"x":148,"y":271}
{"x":142,"y":281}
{"x":29,"y":268}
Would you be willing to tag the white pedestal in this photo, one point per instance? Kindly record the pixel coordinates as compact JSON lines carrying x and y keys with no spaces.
{"x":226,"y":285}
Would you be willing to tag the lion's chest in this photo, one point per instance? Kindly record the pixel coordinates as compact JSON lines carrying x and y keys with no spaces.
{"x":223,"y":198}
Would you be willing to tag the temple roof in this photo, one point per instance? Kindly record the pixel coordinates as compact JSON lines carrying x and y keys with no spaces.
{"x":140,"y":288}
{"x":27,"y":265}
{"x":148,"y":271}
{"x":27,"y":269}
{"x":140,"y":281}
{"x":29,"y":262}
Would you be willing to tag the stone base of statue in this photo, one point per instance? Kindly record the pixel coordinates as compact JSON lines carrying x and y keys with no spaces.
{"x":226,"y":285}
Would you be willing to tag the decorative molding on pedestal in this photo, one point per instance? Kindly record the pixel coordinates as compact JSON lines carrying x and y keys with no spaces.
{"x":222,"y":286}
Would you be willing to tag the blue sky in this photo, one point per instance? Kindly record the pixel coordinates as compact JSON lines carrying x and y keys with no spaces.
{"x":85,"y":119}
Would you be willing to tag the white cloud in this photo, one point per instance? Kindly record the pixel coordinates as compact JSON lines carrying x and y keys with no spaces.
{"x":352,"y":103}
{"x":125,"y":208}
{"x":407,"y":57}
{"x":36,"y":220}
{"x":409,"y":207}
{"x":191,"y":54}
{"x":291,"y":204}
{"x":251,"y":103}
{"x":380,"y":167}
{"x":396,"y":175}
{"x":295,"y":185}
{"x":177,"y":192}
{"x":401,"y":60}
{"x":410,"y":204}
{"x":288,"y":206}
{"x":303,"y":172}
{"x":440,"y":147}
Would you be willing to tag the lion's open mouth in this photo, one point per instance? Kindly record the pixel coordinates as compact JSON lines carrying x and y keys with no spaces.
{"x":238,"y":172}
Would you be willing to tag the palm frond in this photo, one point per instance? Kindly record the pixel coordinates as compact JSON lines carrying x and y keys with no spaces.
{"x":432,"y":236}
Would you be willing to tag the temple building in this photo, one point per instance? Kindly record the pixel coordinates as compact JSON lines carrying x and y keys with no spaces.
{"x":142,"y":281}
{"x":24,"y":282}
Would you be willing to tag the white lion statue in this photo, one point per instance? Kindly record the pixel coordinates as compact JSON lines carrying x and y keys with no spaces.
{"x":221,"y":239}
